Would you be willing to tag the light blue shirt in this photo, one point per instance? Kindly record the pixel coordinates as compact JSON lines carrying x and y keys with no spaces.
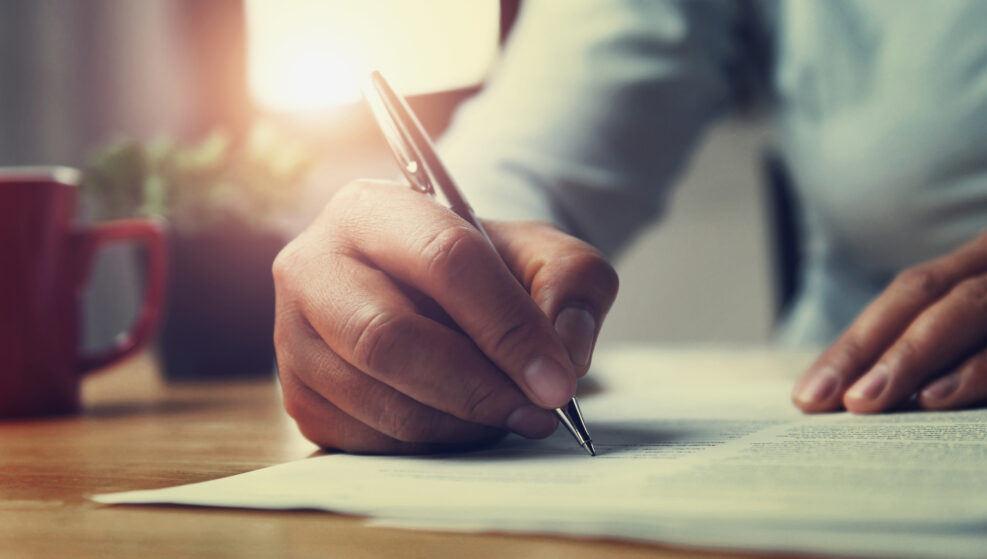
{"x":595,"y":107}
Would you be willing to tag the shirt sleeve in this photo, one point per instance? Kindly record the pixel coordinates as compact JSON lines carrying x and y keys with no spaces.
{"x":592,"y":111}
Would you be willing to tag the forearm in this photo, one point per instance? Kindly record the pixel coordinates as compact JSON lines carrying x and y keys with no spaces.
{"x":591,"y":113}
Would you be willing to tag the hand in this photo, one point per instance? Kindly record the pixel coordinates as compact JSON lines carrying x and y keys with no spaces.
{"x":926,"y":334}
{"x":400,"y":329}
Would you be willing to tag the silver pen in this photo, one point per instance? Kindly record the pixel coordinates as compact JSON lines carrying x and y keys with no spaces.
{"x":420,"y":163}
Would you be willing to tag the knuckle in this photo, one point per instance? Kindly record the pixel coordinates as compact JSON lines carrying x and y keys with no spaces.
{"x":351,"y":192}
{"x":282,"y":340}
{"x":413,"y":427}
{"x":408,"y":430}
{"x":606,"y":276}
{"x":449,"y":253}
{"x":284,"y":265}
{"x":975,"y":366}
{"x":849,"y":353}
{"x":852,"y":349}
{"x":293,"y":401}
{"x":348,"y":207}
{"x":925,"y":328}
{"x":973,"y":291}
{"x":311,"y":424}
{"x":907,"y":350}
{"x":478,"y":403}
{"x":514,"y":337}
{"x":922,"y":281}
{"x":345,"y":205}
{"x":598,"y":274}
{"x":379,"y":335}
{"x":291,"y":405}
{"x":321,"y":435}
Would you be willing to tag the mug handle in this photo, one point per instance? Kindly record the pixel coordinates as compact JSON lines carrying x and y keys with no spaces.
{"x":150,"y":234}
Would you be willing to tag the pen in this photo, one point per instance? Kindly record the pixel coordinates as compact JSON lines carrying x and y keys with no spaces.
{"x":420,"y":164}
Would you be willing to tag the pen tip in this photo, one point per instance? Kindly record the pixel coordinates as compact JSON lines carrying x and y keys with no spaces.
{"x":590,"y":449}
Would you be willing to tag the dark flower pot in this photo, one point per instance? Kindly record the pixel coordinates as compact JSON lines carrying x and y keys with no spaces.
{"x":219,"y":319}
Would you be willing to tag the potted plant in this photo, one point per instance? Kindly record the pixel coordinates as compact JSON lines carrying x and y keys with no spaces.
{"x":222,"y":200}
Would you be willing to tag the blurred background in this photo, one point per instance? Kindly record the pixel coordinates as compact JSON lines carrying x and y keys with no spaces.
{"x":244,"y":116}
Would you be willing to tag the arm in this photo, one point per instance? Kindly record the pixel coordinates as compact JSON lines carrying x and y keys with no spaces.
{"x":593,"y":111}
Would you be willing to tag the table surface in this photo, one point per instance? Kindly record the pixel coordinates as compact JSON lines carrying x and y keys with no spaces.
{"x":137,"y":432}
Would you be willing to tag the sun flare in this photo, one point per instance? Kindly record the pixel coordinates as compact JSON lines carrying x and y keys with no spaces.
{"x":306,"y":55}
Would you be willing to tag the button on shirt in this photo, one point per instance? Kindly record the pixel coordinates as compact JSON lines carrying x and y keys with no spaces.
{"x":595,"y":106}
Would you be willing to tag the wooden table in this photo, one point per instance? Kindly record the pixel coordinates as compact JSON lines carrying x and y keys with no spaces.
{"x":139,"y":433}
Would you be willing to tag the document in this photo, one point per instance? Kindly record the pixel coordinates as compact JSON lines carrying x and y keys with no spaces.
{"x":694,"y":448}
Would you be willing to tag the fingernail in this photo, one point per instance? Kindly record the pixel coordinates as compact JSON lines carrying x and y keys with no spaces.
{"x":942,"y":387}
{"x":577,"y":328}
{"x":871,"y":385}
{"x":819,"y":387}
{"x":549,"y":381}
{"x":532,"y":422}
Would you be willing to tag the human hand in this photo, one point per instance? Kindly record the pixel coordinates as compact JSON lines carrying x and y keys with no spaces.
{"x":399,"y":329}
{"x":925,"y":334}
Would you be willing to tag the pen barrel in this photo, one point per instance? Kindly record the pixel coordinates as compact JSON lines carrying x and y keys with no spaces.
{"x":425,"y":172}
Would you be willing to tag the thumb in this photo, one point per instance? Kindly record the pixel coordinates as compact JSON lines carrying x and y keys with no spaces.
{"x":569,"y":280}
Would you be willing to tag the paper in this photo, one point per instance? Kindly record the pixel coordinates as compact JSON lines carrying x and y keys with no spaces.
{"x":715,"y":457}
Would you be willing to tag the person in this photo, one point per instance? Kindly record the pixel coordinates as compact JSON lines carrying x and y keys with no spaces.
{"x":399,"y":330}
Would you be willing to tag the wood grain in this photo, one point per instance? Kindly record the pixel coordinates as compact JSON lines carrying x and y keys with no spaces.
{"x":138,"y":433}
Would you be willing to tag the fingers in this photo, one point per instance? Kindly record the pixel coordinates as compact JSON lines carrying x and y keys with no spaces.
{"x":395,"y":372}
{"x":337,"y":406}
{"x":399,"y":325}
{"x":373,"y":328}
{"x":877,"y":327}
{"x":391,"y":413}
{"x":325,"y":425}
{"x":928,"y":320}
{"x":964,"y":387}
{"x":570,"y":281}
{"x":940,"y":336}
{"x":329,"y":427}
{"x":435,"y":251}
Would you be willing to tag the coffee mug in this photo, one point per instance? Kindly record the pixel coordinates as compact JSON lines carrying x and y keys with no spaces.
{"x":44,"y":264}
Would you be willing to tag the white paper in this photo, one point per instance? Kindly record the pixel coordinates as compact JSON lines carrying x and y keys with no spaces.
{"x":713,"y":457}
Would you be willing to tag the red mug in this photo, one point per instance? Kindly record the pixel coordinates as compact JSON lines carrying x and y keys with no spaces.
{"x":44,"y":264}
